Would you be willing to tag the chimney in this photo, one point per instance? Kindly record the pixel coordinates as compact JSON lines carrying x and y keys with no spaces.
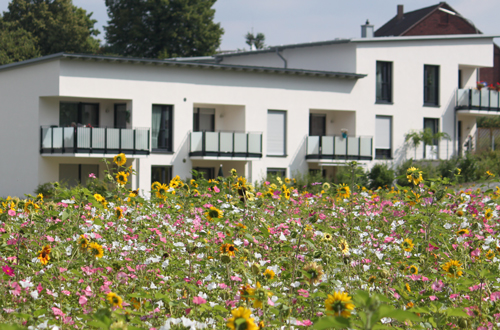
{"x":400,"y":12}
{"x":367,"y":30}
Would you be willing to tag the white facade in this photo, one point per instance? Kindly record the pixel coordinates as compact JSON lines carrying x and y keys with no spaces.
{"x":321,"y":79}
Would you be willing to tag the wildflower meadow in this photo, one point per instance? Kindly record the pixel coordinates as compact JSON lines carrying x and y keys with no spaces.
{"x":228,"y":254}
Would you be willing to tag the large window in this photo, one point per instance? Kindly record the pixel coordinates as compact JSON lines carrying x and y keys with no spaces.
{"x":78,"y":114}
{"x":431,"y":125}
{"x":317,"y":124}
{"x":161,"y":128}
{"x":383,"y":137}
{"x":74,"y":174}
{"x":384,"y":82}
{"x":431,"y":85}
{"x":207,"y":172}
{"x":273,"y":172}
{"x":203,"y":120}
{"x":276,"y":133}
{"x":161,"y":174}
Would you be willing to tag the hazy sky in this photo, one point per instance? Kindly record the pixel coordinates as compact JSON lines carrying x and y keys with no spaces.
{"x":293,"y":21}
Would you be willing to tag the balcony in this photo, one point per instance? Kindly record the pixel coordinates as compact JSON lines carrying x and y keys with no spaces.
{"x":474,"y":99}
{"x":94,"y":140}
{"x":225,"y":145}
{"x":338,"y":147}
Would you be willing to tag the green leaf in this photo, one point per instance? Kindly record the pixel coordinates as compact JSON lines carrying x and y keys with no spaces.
{"x":402,"y":316}
{"x":456,"y":312}
{"x":39,"y":312}
{"x":332,"y":322}
{"x":220,"y":309}
{"x":98,"y":324}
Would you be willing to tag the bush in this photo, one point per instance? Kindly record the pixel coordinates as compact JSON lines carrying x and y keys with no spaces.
{"x":380,"y":176}
{"x":344,"y":175}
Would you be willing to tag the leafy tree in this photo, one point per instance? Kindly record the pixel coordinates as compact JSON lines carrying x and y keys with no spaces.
{"x":255,"y":41}
{"x":162,"y":28}
{"x":56,"y":25}
{"x":16,"y":44}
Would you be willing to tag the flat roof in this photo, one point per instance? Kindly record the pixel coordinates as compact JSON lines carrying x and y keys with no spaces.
{"x":175,"y":63}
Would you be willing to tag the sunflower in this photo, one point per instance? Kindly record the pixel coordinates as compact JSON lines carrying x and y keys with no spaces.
{"x":463,"y":232}
{"x":414,"y":175}
{"x":161,"y":191}
{"x":269,"y":274}
{"x":96,"y":250}
{"x":99,"y":198}
{"x":234,"y":173}
{"x":114,"y":299}
{"x":315,"y":272}
{"x":136,"y":303}
{"x":241,"y":320}
{"x":120,"y":159}
{"x":44,"y":255}
{"x":261,"y":325}
{"x":214,"y":212}
{"x":83,"y":242}
{"x":460,"y":213}
{"x":327,"y":237}
{"x":155,"y":185}
{"x":407,"y":244}
{"x":228,"y":249}
{"x":259,"y":295}
{"x":29,"y":205}
{"x":339,"y":304}
{"x":371,"y":279}
{"x":122,"y":178}
{"x":133,"y":193}
{"x":118,"y":212}
{"x":408,"y":287}
{"x":488,"y":213}
{"x":413,"y":270}
{"x":193,"y":183}
{"x":489,"y":255}
{"x":453,"y":268}
{"x":344,"y":247}
{"x":287,"y":194}
{"x":344,"y":191}
{"x":490,"y":174}
{"x":245,"y":291}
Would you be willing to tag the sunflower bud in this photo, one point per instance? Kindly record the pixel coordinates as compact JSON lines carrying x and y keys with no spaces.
{"x":384,"y":273}
{"x":317,"y":254}
{"x":309,"y":234}
{"x":293,"y":234}
{"x":225,"y":258}
{"x":255,"y":269}
{"x":463,"y":324}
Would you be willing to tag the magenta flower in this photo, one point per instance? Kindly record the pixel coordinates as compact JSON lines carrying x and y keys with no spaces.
{"x":198,"y":300}
{"x":495,"y":296}
{"x":7,"y":270}
{"x":437,"y":286}
{"x":11,"y":213}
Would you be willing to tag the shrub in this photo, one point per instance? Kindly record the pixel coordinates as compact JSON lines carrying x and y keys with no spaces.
{"x":344,"y":175}
{"x":380,"y":176}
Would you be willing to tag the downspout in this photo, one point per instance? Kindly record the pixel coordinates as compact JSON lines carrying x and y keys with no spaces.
{"x":284,"y":59}
{"x":218,"y":59}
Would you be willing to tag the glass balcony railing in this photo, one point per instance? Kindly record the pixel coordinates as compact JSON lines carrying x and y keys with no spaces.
{"x":338,"y":147}
{"x":474,"y":99}
{"x":226,"y":144}
{"x":101,"y":140}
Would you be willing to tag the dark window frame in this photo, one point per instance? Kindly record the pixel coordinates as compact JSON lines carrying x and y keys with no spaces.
{"x":196,"y":120}
{"x":311,"y":115}
{"x":166,"y":173}
{"x":79,"y":110}
{"x":209,"y":170}
{"x":115,"y":116}
{"x":285,"y":121}
{"x":385,"y":153}
{"x":167,"y":141}
{"x":277,"y":171}
{"x":435,"y":125}
{"x":431,"y":86}
{"x":383,"y":90}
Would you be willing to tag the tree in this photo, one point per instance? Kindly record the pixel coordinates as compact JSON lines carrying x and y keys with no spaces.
{"x":162,"y":28}
{"x":16,"y":44}
{"x":56,"y":25}
{"x":255,"y":41}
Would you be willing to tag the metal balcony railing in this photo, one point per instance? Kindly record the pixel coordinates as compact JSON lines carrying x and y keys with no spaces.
{"x":226,"y":144}
{"x":99,"y":140}
{"x":338,"y":147}
{"x":474,"y":99}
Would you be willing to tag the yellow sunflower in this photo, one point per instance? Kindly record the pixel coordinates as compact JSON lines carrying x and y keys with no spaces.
{"x":44,"y":255}
{"x":259,"y":295}
{"x":83,"y":242}
{"x":269,"y":274}
{"x":161,"y":191}
{"x":339,"y":304}
{"x":99,"y":198}
{"x":488,"y":213}
{"x":96,"y":250}
{"x":408,"y":287}
{"x":118,"y":212}
{"x":133,"y":193}
{"x":120,"y":159}
{"x":155,"y":185}
{"x":214,"y":213}
{"x":344,"y":247}
{"x":413,"y":270}
{"x":489,"y":255}
{"x":407,"y":244}
{"x":122,"y":178}
{"x":193,"y":183}
{"x":327,"y":237}
{"x":228,"y":249}
{"x":315,"y":272}
{"x":114,"y":299}
{"x":463,"y":232}
{"x":241,"y":320}
{"x":344,"y":191}
{"x":453,"y":268}
{"x":414,"y":175}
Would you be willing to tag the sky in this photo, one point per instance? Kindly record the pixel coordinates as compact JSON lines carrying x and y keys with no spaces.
{"x":295,"y":21}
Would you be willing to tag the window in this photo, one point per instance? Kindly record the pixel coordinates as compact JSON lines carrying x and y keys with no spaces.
{"x":203,"y":120}
{"x":75,"y":174}
{"x":317,"y":124}
{"x":78,"y":114}
{"x":161,"y":127}
{"x":121,"y":115}
{"x":431,"y":151}
{"x":384,"y":82}
{"x":383,"y":137}
{"x":276,"y":133}
{"x":317,"y":173}
{"x":207,"y":172}
{"x":431,"y":85}
{"x":161,"y":174}
{"x":273,"y":172}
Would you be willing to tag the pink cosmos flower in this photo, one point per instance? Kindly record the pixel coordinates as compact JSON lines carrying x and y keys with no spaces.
{"x":216,"y":189}
{"x":198,"y":300}
{"x":92,"y":175}
{"x":454,"y":296}
{"x":432,"y":298}
{"x":475,"y":253}
{"x":7,"y":270}
{"x":12,"y":213}
{"x":495,"y":296}
{"x":57,"y":311}
{"x":305,"y":323}
{"x":303,"y":293}
{"x":82,"y":301}
{"x":437,"y":286}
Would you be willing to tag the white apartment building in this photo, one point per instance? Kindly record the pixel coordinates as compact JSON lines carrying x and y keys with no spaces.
{"x":288,"y":109}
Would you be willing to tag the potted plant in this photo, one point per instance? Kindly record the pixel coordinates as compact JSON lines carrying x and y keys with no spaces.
{"x":344,"y":133}
{"x":479,"y":85}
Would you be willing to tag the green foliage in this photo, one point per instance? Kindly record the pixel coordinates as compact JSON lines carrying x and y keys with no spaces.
{"x":380,"y":176}
{"x":488,"y":122}
{"x":344,"y":175}
{"x":162,"y":28}
{"x":55,"y":25}
{"x":256,"y":41}
{"x":16,"y":44}
{"x":46,"y":189}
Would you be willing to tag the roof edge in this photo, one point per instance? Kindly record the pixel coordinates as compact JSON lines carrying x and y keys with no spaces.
{"x":427,"y":37}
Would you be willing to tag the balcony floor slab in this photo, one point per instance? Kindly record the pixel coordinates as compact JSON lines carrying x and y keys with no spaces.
{"x":225,"y":158}
{"x":89,"y":155}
